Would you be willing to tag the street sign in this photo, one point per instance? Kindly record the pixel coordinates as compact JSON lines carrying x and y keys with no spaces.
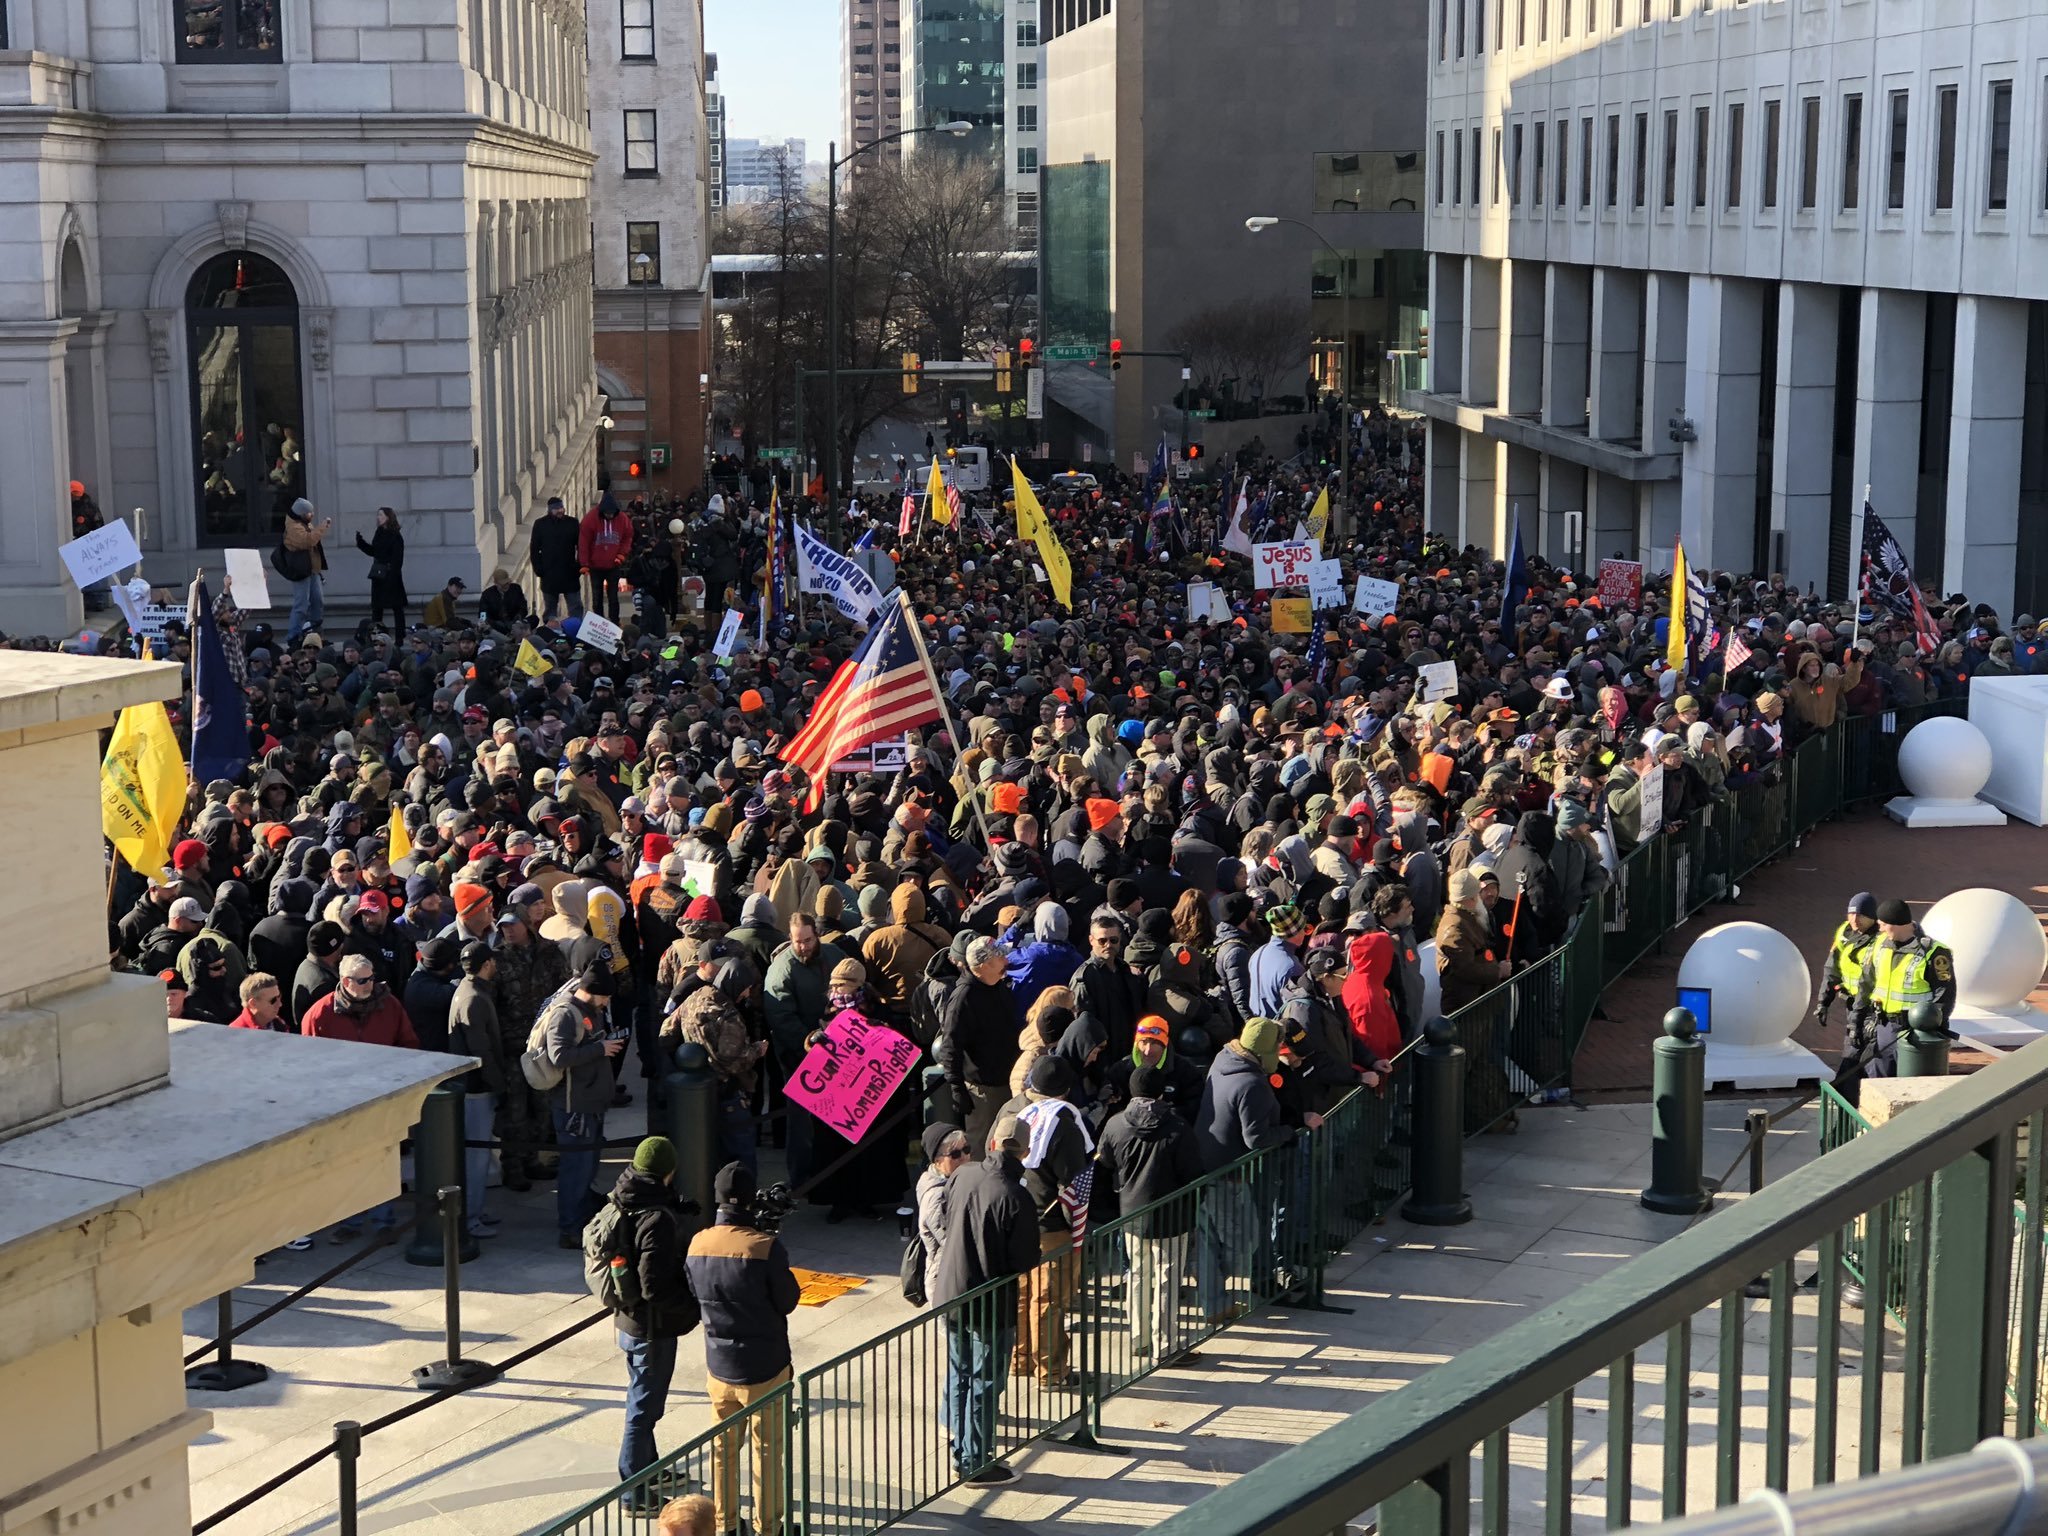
{"x":772,"y":453}
{"x":1073,"y":354}
{"x":1034,"y":394}
{"x":1203,"y":415}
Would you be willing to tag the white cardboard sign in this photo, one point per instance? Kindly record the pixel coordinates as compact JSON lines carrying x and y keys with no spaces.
{"x":251,"y":586}
{"x":1284,"y":564}
{"x":600,"y":633}
{"x":1376,"y":597}
{"x":728,"y":632}
{"x":106,"y":551}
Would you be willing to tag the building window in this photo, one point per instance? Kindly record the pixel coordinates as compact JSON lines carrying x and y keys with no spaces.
{"x":1457,"y":167}
{"x":1027,"y":117}
{"x":1515,"y":164}
{"x":1478,"y":27}
{"x":230,"y":31}
{"x":1027,"y":74}
{"x":643,"y":240}
{"x":1734,"y":154}
{"x":1586,"y":160}
{"x":636,"y":26}
{"x":1542,"y":21}
{"x":1895,"y":154}
{"x":1027,"y":34}
{"x":1459,"y":50}
{"x":1642,"y":161}
{"x":1852,"y":150}
{"x":1521,"y":23}
{"x":1536,"y":179}
{"x":1443,"y":30}
{"x":1998,"y":166}
{"x":1497,"y":159}
{"x":1564,"y":158}
{"x":641,"y":157}
{"x":1702,"y":135}
{"x":1027,"y":161}
{"x":1774,"y":115}
{"x":1500,"y":25}
{"x":1809,"y":154}
{"x":1438,"y":169}
{"x":1670,"y":186}
{"x":1475,"y":163}
{"x":1945,"y":104}
{"x":248,"y":424}
{"x":1613,"y":159}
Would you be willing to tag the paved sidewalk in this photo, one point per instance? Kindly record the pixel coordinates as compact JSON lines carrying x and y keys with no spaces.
{"x":1555,"y":1204}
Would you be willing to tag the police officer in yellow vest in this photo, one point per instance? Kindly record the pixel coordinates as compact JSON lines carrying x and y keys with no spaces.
{"x":1844,"y":966}
{"x":1901,"y":970}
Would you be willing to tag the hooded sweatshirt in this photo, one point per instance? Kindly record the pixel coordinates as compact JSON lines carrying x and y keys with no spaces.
{"x":1047,"y":961}
{"x":898,"y":954}
{"x":1149,"y":1154}
{"x":605,"y":540}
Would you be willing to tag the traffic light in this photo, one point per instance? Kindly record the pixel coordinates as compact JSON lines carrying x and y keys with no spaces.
{"x":1027,"y":351}
{"x":1002,"y":373}
{"x":1194,"y":451}
{"x":634,"y":470}
{"x":1116,"y":354}
{"x":913,"y":366}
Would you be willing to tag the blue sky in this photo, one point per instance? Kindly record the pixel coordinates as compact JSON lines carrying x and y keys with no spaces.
{"x":778,"y":64}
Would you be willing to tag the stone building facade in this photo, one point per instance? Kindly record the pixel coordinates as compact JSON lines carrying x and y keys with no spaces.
{"x":265,"y":250}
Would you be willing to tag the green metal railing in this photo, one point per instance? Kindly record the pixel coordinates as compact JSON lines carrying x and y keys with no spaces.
{"x":1718,"y":1377}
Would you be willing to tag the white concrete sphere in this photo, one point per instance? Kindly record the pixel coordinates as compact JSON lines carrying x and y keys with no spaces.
{"x":1945,"y":758}
{"x":1759,"y":979}
{"x":1999,"y":947}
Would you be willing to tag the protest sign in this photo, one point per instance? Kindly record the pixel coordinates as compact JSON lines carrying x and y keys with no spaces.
{"x":1439,"y":680}
{"x":106,"y":551}
{"x":814,"y":1287}
{"x":1198,"y":600}
{"x":1326,"y":584}
{"x":1284,"y":564}
{"x":600,"y":633}
{"x":1621,"y":584}
{"x":251,"y":585}
{"x":1376,"y":598}
{"x":849,"y":1074}
{"x":156,"y":617}
{"x":728,"y":632}
{"x":1652,"y":821}
{"x":823,"y":572}
{"x":1291,"y":615}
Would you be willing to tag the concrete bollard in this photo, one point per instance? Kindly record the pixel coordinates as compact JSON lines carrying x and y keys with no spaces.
{"x":1678,"y":1102}
{"x":1437,"y":1188}
{"x":438,"y":1161}
{"x":691,"y":1121}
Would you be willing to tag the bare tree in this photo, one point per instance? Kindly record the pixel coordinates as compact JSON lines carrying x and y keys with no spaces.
{"x":946,"y":216}
{"x":1261,"y":342}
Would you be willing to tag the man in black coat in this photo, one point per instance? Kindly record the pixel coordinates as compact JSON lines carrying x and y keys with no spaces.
{"x":977,"y":1043}
{"x":555,"y":561}
{"x":1148,"y":1154}
{"x":991,"y":1234}
{"x":430,"y":992}
{"x":664,"y":1308}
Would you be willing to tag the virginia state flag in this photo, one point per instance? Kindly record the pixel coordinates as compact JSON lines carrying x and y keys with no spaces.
{"x":220,"y":715}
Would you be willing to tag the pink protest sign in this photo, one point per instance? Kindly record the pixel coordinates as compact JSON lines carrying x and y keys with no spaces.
{"x":850,"y":1073}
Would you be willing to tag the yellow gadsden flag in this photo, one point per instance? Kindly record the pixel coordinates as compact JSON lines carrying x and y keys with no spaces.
{"x":531,"y":662}
{"x":401,"y":841}
{"x":1319,"y":516}
{"x":935,"y":495}
{"x":1031,"y":524}
{"x":1675,"y":639}
{"x":142,"y":787}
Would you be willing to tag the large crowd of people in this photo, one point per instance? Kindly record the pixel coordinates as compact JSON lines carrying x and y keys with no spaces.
{"x":1159,"y":892}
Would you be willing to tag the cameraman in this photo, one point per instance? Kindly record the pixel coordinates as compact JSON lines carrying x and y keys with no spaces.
{"x":649,"y":1237}
{"x":741,"y":1278}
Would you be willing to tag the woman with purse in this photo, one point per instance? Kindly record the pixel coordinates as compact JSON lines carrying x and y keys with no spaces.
{"x":386,"y":549}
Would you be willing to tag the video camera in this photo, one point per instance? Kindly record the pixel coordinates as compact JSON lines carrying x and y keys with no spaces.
{"x":768,"y":1209}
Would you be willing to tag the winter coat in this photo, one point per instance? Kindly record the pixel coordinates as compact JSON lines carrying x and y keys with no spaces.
{"x":897,"y":955}
{"x":1368,"y":1004}
{"x":386,"y":549}
{"x":1066,"y":1157}
{"x":1238,"y":1112}
{"x":745,"y":1292}
{"x":1465,"y":958}
{"x":1233,"y":960}
{"x":1274,"y":964}
{"x":473,"y":1030}
{"x":568,"y":1044}
{"x":1324,"y":1067}
{"x":991,"y":1229}
{"x":651,"y":1237}
{"x":1525,"y":872}
{"x":554,"y":551}
{"x":977,"y":1037}
{"x":709,"y":1019}
{"x":793,"y":997}
{"x":1112,"y":993}
{"x":933,"y":1207}
{"x":604,"y":543}
{"x":304,"y":534}
{"x":1177,"y":996}
{"x":428,"y":999}
{"x":379,"y":1021}
{"x":1148,"y":1153}
{"x":1581,"y":874}
{"x":1038,"y":965}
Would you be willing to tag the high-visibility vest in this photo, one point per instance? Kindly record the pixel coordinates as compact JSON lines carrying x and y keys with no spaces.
{"x":1850,"y":948}
{"x":1898,"y":978}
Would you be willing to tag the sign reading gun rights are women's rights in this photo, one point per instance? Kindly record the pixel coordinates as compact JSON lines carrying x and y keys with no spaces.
{"x":849,"y":1074}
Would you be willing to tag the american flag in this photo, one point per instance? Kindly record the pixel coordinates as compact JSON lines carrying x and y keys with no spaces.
{"x":1317,"y":650}
{"x":952,"y":503}
{"x":908,"y":519}
{"x":881,"y":690}
{"x":778,"y":580}
{"x":1738,"y":652}
{"x":1888,"y":582}
{"x":1074,"y":1201}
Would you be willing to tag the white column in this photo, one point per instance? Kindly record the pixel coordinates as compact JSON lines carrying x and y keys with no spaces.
{"x":1521,"y":338}
{"x":35,"y":448}
{"x":1567,"y":334}
{"x":1723,"y":378}
{"x":1615,"y":367}
{"x":1478,"y":477}
{"x":1446,"y":323}
{"x":1480,"y":367}
{"x":1443,"y":456}
{"x":1890,"y":361}
{"x":1802,"y":468}
{"x":1983,"y":529}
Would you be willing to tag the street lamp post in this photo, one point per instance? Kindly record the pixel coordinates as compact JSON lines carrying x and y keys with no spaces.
{"x":1259,"y":224}
{"x":643,"y":269}
{"x":834,"y":160}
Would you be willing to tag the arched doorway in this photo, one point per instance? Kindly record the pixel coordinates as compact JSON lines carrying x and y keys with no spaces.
{"x":81,"y":398}
{"x":248,"y":417}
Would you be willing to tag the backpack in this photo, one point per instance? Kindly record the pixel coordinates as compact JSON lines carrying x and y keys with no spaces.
{"x":912,"y":1270}
{"x":605,"y":1239}
{"x":541,"y":1074}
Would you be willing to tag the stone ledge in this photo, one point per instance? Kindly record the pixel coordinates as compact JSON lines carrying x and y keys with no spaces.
{"x":65,"y":1499}
{"x":43,"y":689}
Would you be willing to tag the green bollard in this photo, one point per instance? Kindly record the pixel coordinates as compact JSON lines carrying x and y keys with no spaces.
{"x":690,"y":1119}
{"x":437,"y":1163}
{"x":1678,"y":1101}
{"x":1923,"y":1043}
{"x":938,"y":1103}
{"x":1437,"y":1194}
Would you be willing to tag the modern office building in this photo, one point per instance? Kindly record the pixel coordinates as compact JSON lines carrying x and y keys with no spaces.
{"x":1161,"y":138}
{"x":650,"y":210}
{"x":980,"y":62}
{"x":262,"y":251}
{"x":871,"y":72}
{"x":1711,"y":269}
{"x":714,"y":133}
{"x":756,"y":170}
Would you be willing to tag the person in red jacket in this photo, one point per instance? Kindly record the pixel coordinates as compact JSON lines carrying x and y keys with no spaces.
{"x":1374,"y":1028}
{"x":360,"y":1008}
{"x":603,"y":545}
{"x":262,"y":1002}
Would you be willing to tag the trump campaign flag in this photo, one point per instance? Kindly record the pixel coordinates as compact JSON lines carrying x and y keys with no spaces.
{"x":821,"y":570}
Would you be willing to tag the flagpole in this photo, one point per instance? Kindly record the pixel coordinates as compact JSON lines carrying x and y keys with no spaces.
{"x":945,"y":710}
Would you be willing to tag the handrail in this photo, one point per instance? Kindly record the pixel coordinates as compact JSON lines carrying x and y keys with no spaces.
{"x":1388,"y":1445}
